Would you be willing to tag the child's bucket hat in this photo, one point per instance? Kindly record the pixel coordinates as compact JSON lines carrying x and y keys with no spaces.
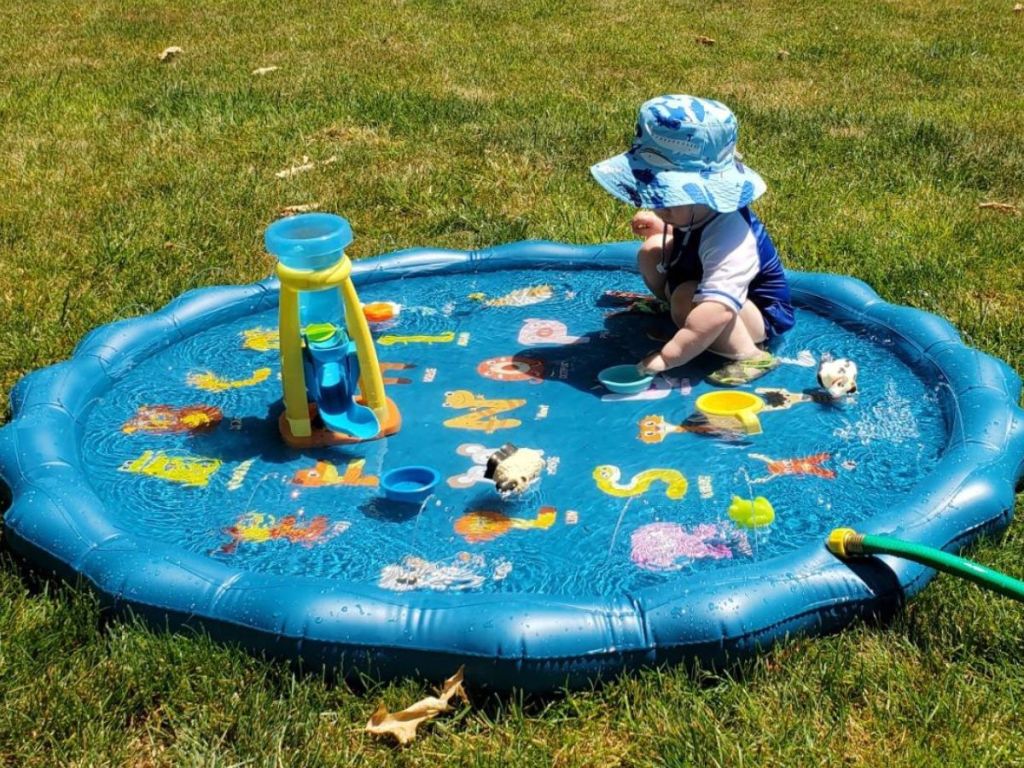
{"x":684,"y":153}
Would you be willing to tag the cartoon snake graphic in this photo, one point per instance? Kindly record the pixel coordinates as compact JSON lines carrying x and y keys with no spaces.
{"x":211,"y":382}
{"x":443,"y":338}
{"x":607,"y":478}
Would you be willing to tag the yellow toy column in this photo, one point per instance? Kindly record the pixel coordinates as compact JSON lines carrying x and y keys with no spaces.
{"x":322,"y":327}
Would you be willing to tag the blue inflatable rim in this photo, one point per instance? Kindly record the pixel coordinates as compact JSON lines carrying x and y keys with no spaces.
{"x":56,"y":521}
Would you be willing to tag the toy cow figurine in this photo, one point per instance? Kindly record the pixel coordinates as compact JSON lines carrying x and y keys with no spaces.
{"x":513,"y":469}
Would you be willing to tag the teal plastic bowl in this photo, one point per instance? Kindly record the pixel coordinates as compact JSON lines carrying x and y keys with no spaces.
{"x":624,"y":379}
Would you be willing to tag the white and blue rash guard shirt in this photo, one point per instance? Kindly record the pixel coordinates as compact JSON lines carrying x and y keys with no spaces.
{"x":732,"y":259}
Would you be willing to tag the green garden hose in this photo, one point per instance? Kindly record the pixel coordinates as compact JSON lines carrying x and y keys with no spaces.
{"x":846,"y":542}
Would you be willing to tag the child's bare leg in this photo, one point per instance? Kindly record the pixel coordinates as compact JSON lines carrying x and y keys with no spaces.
{"x":647,"y":260}
{"x":739,"y":339}
{"x":738,"y":342}
{"x":682,"y":302}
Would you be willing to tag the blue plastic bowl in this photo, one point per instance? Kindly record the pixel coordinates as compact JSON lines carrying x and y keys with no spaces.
{"x":624,"y":379}
{"x":409,"y":484}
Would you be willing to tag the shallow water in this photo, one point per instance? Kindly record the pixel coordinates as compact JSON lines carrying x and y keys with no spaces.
{"x":564,"y":535}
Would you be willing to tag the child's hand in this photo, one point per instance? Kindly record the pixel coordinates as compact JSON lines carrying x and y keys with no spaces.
{"x":651,"y":365}
{"x":647,"y":223}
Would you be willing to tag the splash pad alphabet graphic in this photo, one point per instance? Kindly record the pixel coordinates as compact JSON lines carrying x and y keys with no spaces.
{"x":325,"y":474}
{"x":391,"y":380}
{"x":194,"y":471}
{"x":482,"y":414}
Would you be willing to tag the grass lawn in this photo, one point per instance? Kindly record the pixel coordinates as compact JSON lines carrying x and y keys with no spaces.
{"x":880,"y":130}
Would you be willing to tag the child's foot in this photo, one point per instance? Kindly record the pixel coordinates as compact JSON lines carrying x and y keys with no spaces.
{"x":740,"y":372}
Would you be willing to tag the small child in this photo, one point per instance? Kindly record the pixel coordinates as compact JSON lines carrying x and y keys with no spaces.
{"x":704,"y":250}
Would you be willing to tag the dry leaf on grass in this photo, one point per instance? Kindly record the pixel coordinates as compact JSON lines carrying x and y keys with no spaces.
{"x":169,"y":53}
{"x":264,"y":70}
{"x":704,"y":40}
{"x":305,"y":165}
{"x":1001,"y":207}
{"x":291,"y":210}
{"x":402,"y":725}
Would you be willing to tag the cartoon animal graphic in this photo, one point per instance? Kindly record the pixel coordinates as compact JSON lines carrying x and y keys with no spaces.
{"x":211,"y":382}
{"x":776,"y":399}
{"x":477,"y":527}
{"x":261,"y":339}
{"x":536,"y":331}
{"x":483,"y":413}
{"x":654,"y":429}
{"x":512,"y":368}
{"x":162,"y":419}
{"x":443,"y":338}
{"x":607,"y":478}
{"x":670,"y":546}
{"x":195,"y":471}
{"x":661,"y":387}
{"x":806,"y":465}
{"x":389,"y":380}
{"x":257,"y":528}
{"x":478,"y":454}
{"x":325,"y":474}
{"x":521,"y":297}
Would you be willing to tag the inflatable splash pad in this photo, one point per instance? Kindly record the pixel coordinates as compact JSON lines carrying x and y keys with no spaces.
{"x":152,"y":464}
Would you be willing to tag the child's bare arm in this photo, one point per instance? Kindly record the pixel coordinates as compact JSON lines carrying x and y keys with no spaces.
{"x":704,"y":324}
{"x":647,"y":224}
